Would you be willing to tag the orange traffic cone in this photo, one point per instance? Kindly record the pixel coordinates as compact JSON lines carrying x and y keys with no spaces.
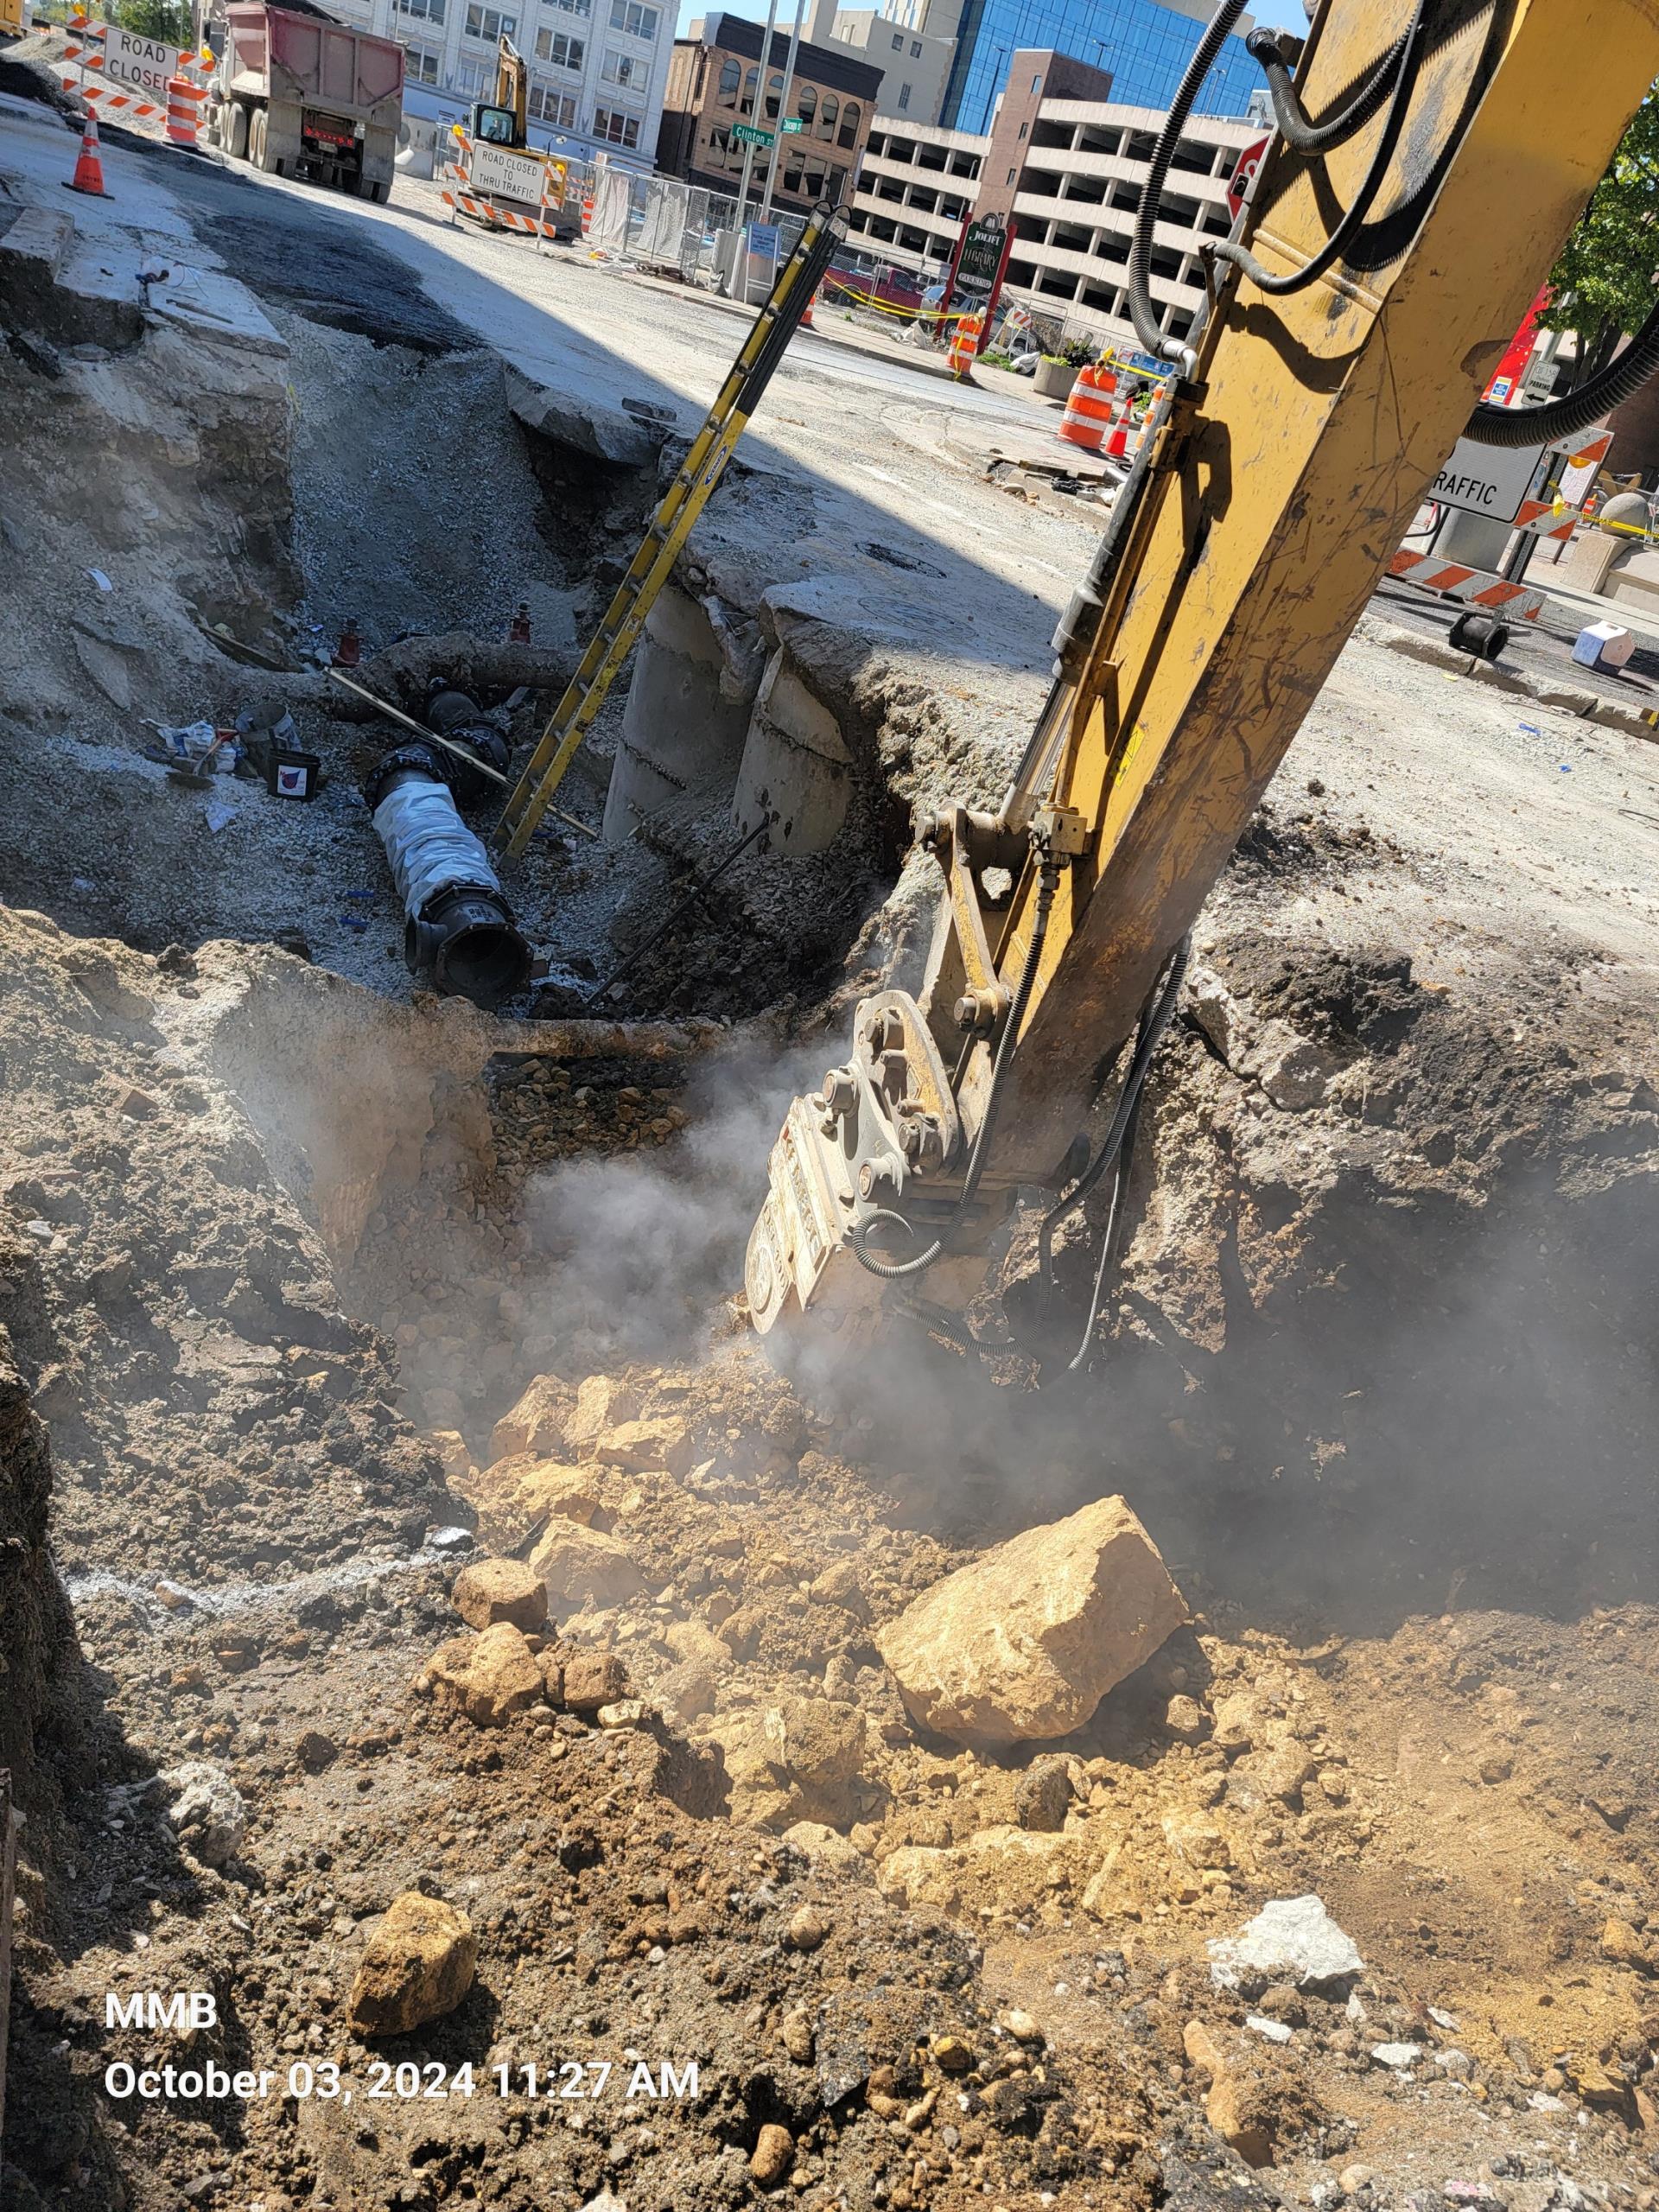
{"x":806,"y":314}
{"x":89,"y":168}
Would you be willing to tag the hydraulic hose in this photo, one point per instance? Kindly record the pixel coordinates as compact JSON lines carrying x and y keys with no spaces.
{"x":1109,"y":1240}
{"x":892,"y":1270}
{"x":1294,"y":128}
{"x":1204,"y":54}
{"x":1578,"y":410}
{"x":1404,"y":81}
{"x":1153,"y":1026}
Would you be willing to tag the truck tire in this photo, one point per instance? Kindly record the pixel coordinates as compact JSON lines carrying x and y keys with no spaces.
{"x":377,"y":193}
{"x":257,"y":139}
{"x":234,"y":126}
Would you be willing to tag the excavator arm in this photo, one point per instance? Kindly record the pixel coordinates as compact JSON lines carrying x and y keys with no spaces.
{"x":1354,"y":322}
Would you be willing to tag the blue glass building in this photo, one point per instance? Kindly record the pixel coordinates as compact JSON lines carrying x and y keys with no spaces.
{"x":1145,"y":46}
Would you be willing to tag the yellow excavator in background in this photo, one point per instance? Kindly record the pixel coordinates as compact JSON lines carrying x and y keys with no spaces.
{"x":504,"y":121}
{"x":1430,"y":159}
{"x":514,"y":185}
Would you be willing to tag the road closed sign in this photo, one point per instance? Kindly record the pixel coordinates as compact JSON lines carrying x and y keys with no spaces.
{"x":1487,"y":480}
{"x":1243,"y":175}
{"x":139,"y":65}
{"x":504,"y":174}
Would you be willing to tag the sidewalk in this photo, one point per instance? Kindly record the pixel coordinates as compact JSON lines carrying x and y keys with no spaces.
{"x":828,"y":323}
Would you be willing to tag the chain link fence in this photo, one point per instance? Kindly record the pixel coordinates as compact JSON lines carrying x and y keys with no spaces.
{"x":670,"y":228}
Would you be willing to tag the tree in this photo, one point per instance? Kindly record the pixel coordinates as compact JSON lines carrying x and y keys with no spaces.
{"x":1602,"y":287}
{"x":158,"y":19}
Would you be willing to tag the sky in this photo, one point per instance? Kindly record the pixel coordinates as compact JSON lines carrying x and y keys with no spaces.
{"x":1281,"y":14}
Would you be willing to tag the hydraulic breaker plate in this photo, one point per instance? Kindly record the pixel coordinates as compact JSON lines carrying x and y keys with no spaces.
{"x":799,"y":1226}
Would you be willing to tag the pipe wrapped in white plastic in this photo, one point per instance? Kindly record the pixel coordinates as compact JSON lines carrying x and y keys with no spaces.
{"x":459,"y":932}
{"x":429,"y":847}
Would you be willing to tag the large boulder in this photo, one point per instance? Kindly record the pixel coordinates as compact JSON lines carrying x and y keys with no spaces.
{"x":492,"y":1589}
{"x":537,"y":1423}
{"x":585,"y":1566}
{"x":419,"y":1964}
{"x":490,"y":1676}
{"x":1022,"y":1645}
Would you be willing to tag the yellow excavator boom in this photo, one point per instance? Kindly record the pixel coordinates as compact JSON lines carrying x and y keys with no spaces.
{"x":1338,"y":363}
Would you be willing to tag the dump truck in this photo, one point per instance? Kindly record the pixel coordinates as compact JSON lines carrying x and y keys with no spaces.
{"x":303,"y":96}
{"x":16,"y":16}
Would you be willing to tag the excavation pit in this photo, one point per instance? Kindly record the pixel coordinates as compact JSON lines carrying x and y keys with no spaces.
{"x":319,"y":1287}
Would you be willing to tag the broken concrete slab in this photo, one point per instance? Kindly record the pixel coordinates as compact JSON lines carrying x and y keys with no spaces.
{"x":31,"y":254}
{"x":207,"y":304}
{"x":1291,"y":1939}
{"x":569,"y":419}
{"x":1022,"y":1645}
{"x":74,"y":290}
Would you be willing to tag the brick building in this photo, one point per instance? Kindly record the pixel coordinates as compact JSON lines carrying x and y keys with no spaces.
{"x":714,"y":85}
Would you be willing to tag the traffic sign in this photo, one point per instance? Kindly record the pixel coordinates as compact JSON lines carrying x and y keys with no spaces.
{"x":1244,"y":176}
{"x":1486,"y":479}
{"x":746,"y":134}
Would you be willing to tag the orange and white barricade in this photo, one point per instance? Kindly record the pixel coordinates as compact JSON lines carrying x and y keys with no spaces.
{"x":463,"y":196}
{"x":1088,"y":416}
{"x":185,"y":95}
{"x":1472,"y":586}
{"x":964,"y":343}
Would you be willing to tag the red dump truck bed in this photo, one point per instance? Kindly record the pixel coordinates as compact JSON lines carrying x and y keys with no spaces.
{"x":302,"y":95}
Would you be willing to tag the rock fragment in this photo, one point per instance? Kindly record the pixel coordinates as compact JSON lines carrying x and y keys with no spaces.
{"x":807,"y":1928}
{"x":585,"y":1566}
{"x":1021,"y":1644}
{"x":419,"y":1965}
{"x":593,"y":1679}
{"x":601,"y":1404}
{"x":1620,"y":1943}
{"x":490,"y":1676}
{"x":537,"y":1423}
{"x":797,"y":1760}
{"x":663,"y":1444}
{"x":1042,"y":1796}
{"x":315,"y":1750}
{"x":206,"y":1810}
{"x":772,"y":2156}
{"x":1293,"y":1939}
{"x":494,"y":1590}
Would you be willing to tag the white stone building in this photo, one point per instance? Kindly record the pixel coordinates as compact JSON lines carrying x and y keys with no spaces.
{"x":598,"y":68}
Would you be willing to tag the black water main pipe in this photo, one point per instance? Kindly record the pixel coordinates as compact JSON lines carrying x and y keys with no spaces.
{"x":459,"y":933}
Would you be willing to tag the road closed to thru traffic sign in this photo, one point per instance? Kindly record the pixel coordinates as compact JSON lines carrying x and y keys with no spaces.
{"x":139,"y":65}
{"x":505,"y":174}
{"x":1487,"y":480}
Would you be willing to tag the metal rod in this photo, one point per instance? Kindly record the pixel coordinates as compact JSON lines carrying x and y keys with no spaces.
{"x":432,"y":737}
{"x":673,"y":916}
{"x":741,"y":258}
{"x":783,"y":108}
